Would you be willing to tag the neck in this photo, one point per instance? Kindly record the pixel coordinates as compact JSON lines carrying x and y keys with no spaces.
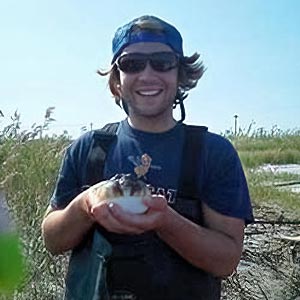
{"x":151,"y":124}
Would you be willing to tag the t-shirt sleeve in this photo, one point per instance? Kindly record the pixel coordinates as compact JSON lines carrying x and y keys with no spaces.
{"x":225,"y":188}
{"x":69,"y":181}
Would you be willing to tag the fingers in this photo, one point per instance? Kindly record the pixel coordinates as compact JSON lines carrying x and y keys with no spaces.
{"x":111,"y":217}
{"x":150,"y":220}
{"x":156,"y":202}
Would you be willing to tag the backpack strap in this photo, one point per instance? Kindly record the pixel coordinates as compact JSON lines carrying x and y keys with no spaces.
{"x":192,"y":168}
{"x":102,"y":140}
{"x":110,"y":128}
{"x":191,"y":159}
{"x":86,"y":276}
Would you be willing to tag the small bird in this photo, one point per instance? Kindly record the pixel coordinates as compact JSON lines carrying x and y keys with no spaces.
{"x":142,"y":169}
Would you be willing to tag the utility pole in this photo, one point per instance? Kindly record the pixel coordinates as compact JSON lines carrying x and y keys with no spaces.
{"x":235,"y":124}
{"x":91,"y":124}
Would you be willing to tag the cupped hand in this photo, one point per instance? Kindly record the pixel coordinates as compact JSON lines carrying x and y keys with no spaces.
{"x":115,"y":219}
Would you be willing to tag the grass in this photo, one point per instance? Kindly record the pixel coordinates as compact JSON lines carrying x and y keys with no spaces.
{"x":263,"y":193}
{"x":29,"y":163}
{"x":257,"y":147}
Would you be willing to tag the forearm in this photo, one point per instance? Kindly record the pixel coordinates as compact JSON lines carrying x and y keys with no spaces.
{"x":212,"y":251}
{"x":64,"y":229}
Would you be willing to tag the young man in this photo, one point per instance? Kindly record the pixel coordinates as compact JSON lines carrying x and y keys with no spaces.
{"x":191,"y":236}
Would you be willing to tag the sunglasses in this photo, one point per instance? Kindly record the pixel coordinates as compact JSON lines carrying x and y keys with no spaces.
{"x":136,"y":62}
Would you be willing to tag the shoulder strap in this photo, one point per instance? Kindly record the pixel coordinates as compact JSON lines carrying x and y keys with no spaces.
{"x":86,"y":276}
{"x":101,"y":142}
{"x":190,"y":162}
{"x":110,"y":128}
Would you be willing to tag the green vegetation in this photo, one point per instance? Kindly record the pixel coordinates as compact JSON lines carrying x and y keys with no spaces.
{"x":259,"y":147}
{"x":29,"y":165}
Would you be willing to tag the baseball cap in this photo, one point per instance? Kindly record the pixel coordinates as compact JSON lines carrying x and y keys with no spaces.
{"x":146,"y":29}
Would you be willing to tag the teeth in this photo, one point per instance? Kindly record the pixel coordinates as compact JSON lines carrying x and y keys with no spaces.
{"x":149,"y":93}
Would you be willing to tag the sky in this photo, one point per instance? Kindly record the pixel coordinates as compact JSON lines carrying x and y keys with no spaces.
{"x":50,"y":52}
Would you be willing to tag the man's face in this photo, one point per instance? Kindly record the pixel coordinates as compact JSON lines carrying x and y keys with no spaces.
{"x":149,"y":93}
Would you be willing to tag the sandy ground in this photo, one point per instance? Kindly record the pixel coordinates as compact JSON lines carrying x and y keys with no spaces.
{"x":270,"y":264}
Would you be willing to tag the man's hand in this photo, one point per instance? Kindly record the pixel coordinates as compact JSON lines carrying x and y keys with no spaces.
{"x":112,"y":217}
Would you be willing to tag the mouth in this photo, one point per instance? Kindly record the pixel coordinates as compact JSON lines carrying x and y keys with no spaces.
{"x":148,"y":93}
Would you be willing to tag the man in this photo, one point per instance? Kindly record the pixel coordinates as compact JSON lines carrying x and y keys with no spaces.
{"x":183,"y":244}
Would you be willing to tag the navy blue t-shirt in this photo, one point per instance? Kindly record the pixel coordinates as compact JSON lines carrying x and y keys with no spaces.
{"x":223,"y":184}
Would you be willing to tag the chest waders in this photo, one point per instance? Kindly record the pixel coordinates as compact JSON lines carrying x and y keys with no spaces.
{"x":108,"y":266}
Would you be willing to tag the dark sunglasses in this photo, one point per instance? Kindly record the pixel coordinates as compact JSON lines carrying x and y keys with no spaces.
{"x":136,"y":62}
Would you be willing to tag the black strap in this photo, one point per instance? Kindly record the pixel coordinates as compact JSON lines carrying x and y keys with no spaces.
{"x":102,"y":140}
{"x":110,"y":128}
{"x":190,"y":163}
{"x":86,"y":276}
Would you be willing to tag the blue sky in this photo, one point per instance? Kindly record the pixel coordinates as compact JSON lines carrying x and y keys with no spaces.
{"x":50,"y":51}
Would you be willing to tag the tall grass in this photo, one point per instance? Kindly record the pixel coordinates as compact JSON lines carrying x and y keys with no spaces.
{"x":259,"y":146}
{"x":29,"y":164}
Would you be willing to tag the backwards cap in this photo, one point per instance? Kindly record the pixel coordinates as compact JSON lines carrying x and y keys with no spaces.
{"x":146,"y":29}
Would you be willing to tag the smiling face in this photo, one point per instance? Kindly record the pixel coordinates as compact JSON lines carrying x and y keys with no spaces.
{"x":149,"y":94}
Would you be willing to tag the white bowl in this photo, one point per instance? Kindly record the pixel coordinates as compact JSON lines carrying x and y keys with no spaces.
{"x":132,"y":204}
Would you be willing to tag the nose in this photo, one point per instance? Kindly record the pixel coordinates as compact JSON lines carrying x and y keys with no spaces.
{"x":148,"y":70}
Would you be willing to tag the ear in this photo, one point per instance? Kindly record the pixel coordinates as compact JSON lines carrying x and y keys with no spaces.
{"x":115,"y":89}
{"x":118,"y":89}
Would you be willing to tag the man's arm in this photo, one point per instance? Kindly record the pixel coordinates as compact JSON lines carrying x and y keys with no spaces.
{"x":64,"y":229}
{"x":216,"y":248}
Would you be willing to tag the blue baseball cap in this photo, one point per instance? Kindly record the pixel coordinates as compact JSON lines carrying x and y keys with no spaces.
{"x":135,"y":32}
